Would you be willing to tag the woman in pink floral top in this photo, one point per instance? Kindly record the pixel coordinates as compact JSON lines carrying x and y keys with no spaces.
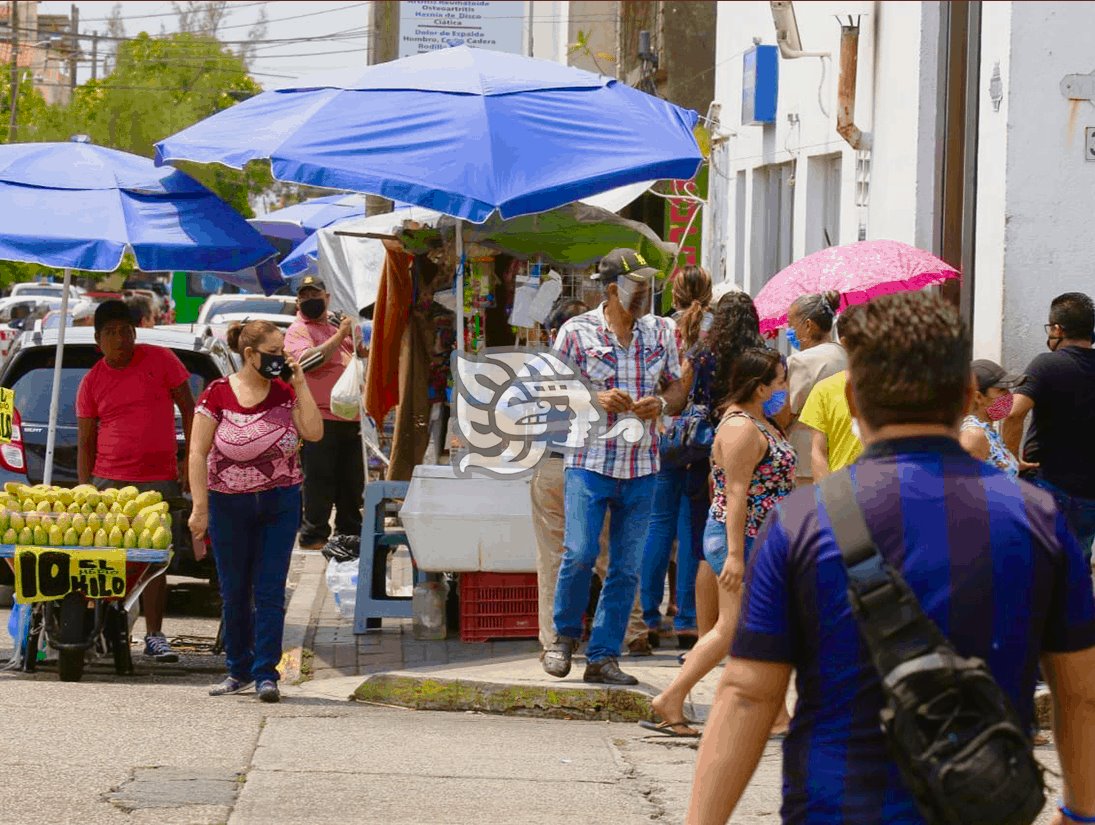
{"x":754,"y":467}
{"x":245,"y":479}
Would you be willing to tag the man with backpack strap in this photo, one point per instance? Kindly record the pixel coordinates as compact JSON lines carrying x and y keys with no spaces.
{"x":989,"y":560}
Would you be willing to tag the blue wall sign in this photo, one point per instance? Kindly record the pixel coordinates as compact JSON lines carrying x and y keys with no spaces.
{"x":759,"y":85}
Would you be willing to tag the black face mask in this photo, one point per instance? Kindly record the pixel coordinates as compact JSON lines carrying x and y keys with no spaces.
{"x":313,"y":308}
{"x":270,"y":366}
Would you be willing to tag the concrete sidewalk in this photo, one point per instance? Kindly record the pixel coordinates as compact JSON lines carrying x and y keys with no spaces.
{"x":324,"y":658}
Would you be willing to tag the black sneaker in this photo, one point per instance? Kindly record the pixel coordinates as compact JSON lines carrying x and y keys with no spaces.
{"x":607,"y":673}
{"x":556,"y":659}
{"x":230,"y":686}
{"x":268,"y":691}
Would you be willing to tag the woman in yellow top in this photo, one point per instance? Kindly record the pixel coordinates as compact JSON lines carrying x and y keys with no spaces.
{"x":834,"y":443}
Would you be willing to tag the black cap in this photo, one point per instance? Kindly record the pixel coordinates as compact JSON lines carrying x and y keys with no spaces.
{"x":624,"y":263}
{"x":311,"y":282}
{"x":113,"y":310}
{"x":989,"y":374}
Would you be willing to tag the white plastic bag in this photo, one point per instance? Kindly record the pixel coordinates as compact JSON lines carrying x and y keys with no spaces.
{"x":346,"y":395}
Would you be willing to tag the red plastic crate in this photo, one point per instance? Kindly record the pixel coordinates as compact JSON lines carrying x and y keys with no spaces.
{"x":498,"y":606}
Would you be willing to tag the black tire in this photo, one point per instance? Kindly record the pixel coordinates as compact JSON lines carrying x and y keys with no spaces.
{"x":72,"y":623}
{"x":116,"y":631}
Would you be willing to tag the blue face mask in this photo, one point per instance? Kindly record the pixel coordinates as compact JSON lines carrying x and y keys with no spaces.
{"x":792,"y":339}
{"x":776,"y":403}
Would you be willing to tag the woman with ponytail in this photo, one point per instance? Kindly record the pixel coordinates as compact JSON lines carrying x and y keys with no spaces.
{"x":681,"y":496}
{"x":245,"y":478}
{"x":810,"y":332}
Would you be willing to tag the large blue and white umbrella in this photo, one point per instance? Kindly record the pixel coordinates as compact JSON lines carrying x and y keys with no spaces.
{"x":79,"y":206}
{"x":467,"y":132}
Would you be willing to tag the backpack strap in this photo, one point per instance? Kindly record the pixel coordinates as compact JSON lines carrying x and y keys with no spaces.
{"x":891,"y":621}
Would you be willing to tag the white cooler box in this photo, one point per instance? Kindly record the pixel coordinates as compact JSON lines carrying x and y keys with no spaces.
{"x":466,"y":525}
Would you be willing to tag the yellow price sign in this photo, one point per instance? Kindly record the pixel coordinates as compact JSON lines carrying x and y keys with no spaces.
{"x":7,"y":414}
{"x":47,"y":573}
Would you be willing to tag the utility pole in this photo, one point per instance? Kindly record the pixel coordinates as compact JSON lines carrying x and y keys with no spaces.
{"x":94,"y":55}
{"x":14,"y":20}
{"x":74,"y":55}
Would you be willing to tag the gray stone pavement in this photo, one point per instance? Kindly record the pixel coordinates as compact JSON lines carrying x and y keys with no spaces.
{"x":154,"y":748}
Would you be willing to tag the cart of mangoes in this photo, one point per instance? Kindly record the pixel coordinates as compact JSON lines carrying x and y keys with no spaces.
{"x":83,"y":516}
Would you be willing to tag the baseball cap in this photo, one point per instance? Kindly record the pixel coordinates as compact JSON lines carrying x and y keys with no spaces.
{"x":310,"y":282}
{"x":624,"y":263}
{"x":990,"y":374}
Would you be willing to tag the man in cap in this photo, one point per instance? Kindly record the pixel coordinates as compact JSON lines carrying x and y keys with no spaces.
{"x":626,"y":354}
{"x":334,"y":471}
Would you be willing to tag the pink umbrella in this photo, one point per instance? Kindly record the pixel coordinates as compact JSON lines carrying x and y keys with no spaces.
{"x":858,"y":271}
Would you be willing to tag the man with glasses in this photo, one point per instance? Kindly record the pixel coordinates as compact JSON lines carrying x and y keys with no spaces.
{"x":1060,"y":391}
{"x":625,"y":353}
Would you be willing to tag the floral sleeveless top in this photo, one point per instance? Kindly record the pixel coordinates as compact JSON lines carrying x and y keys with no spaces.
{"x":1000,"y":456}
{"x":773,"y":478}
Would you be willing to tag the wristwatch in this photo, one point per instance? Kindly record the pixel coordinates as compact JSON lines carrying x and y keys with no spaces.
{"x":664,"y":404}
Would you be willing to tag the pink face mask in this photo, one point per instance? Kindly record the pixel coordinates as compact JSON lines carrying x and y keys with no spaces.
{"x":999,"y":409}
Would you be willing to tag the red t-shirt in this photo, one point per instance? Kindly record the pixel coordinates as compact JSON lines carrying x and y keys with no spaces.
{"x":136,"y":415}
{"x":254,"y":448}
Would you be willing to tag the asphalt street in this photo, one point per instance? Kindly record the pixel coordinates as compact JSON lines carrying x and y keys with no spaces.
{"x":155,"y":748}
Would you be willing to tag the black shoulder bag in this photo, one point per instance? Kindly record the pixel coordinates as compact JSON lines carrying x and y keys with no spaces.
{"x":952,"y":731}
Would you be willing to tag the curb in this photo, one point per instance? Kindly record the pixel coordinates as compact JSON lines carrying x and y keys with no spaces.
{"x":298,"y":617}
{"x":428,"y":693}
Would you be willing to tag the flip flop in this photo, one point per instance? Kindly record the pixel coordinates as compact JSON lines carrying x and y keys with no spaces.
{"x":667,"y":728}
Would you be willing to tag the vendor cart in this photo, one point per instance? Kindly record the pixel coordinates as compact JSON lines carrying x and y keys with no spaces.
{"x":79,"y":598}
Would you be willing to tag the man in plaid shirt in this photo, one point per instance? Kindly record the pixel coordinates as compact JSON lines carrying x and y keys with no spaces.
{"x":626,"y":353}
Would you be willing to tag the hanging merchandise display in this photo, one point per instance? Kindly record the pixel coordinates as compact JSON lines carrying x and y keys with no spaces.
{"x":479,"y":296}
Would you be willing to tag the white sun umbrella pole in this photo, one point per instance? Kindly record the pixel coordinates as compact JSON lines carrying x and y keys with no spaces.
{"x":458,"y":286}
{"x":55,"y":396}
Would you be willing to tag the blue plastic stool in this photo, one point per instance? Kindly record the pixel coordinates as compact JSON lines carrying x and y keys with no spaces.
{"x":377,"y":542}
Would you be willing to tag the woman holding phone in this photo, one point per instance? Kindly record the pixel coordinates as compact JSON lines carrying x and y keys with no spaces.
{"x":245,"y":479}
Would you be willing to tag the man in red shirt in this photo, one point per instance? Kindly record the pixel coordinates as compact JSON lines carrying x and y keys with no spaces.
{"x":334,"y":471}
{"x":125,"y":411}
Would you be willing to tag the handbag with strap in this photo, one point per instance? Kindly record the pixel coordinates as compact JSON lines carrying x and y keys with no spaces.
{"x":961,"y":749}
{"x":690,"y":436}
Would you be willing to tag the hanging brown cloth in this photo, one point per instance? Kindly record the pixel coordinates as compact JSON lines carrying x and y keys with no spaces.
{"x":412,"y":416}
{"x":390,"y":317}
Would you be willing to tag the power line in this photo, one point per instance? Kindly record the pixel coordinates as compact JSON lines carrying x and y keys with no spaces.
{"x":66,"y":38}
{"x":167,"y":13}
{"x":294,"y":17}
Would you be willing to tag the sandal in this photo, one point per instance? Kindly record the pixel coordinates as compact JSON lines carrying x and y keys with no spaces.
{"x":668,"y":728}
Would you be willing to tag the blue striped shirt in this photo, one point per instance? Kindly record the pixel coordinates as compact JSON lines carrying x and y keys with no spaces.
{"x":993,"y":564}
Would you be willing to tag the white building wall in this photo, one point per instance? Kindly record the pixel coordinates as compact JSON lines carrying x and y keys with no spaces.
{"x":992,"y":153}
{"x":895,"y":100}
{"x":1049,"y":187}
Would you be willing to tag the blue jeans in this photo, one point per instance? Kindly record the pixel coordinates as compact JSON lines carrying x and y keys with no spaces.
{"x":253,"y":536}
{"x":715,"y":547}
{"x":673,"y":515}
{"x":587,"y":497}
{"x":1079,"y":513}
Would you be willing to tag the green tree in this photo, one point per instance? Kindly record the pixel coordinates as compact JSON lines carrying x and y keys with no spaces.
{"x":159,"y":86}
{"x":30,"y":109}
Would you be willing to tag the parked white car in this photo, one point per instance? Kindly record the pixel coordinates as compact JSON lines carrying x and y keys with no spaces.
{"x":217,"y":306}
{"x":44,"y":289}
{"x":21,"y":307}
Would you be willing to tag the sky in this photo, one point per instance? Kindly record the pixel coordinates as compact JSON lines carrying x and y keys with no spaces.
{"x":338,"y":29}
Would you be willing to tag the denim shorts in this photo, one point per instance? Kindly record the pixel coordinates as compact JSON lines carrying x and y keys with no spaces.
{"x":715,"y":549}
